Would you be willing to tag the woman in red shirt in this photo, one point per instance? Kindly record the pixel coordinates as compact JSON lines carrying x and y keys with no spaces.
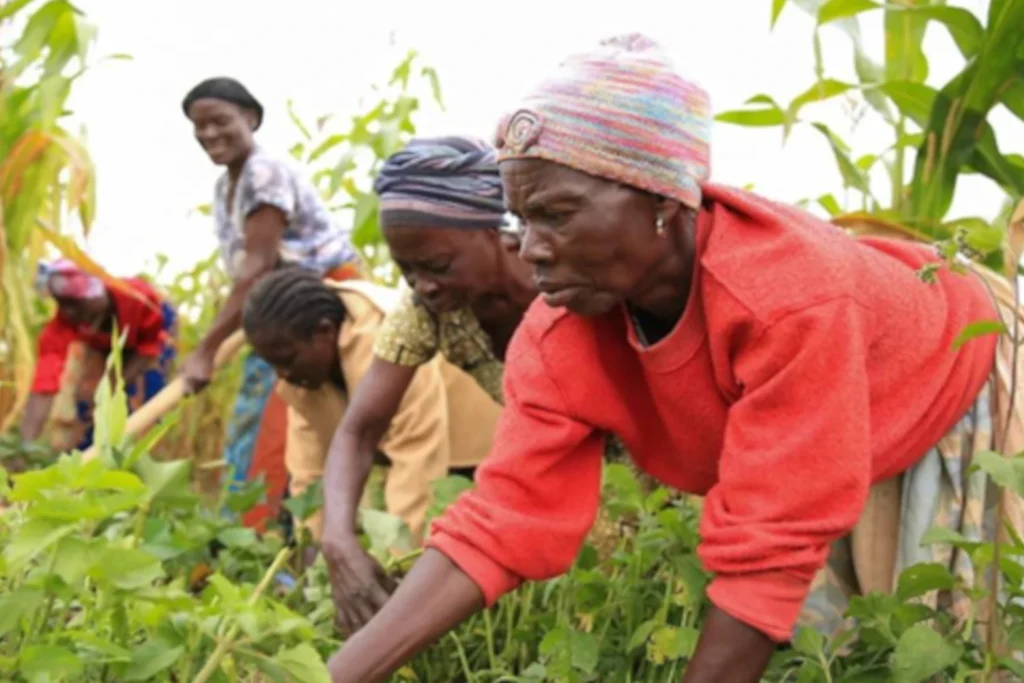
{"x":743,"y":350}
{"x":86,"y":313}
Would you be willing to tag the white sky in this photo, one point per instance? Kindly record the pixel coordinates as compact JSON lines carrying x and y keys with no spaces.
{"x":324,"y":54}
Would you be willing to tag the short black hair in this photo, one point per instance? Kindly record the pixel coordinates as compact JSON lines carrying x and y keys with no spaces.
{"x":293,"y":300}
{"x":227,"y":90}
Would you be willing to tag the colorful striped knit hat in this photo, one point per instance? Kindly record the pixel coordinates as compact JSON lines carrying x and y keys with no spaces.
{"x":620,"y":112}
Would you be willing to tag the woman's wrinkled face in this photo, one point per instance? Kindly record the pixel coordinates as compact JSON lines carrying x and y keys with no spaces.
{"x":592,"y":242}
{"x":223,"y":129}
{"x":448,"y":268}
{"x":91,"y":312}
{"x":306,"y":363}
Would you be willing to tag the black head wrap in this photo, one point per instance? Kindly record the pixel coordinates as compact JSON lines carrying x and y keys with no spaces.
{"x":445,"y":181}
{"x":226,"y":90}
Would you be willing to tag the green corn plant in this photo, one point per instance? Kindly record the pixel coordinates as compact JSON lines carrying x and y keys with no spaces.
{"x":341,"y":162}
{"x":937,"y":135}
{"x":46,"y":173}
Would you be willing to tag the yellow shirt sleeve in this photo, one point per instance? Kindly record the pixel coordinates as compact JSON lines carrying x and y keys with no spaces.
{"x":304,"y":453}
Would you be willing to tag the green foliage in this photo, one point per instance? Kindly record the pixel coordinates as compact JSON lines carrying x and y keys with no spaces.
{"x":44,"y":171}
{"x":342,"y":163}
{"x":946,"y":130}
{"x":109,"y":573}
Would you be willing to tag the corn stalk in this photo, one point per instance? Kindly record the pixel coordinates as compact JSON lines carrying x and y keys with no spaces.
{"x":46,"y":174}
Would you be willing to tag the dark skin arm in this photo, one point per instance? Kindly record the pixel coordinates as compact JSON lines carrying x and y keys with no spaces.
{"x":263,"y":231}
{"x":358,"y":582}
{"x":33,"y":419}
{"x":729,"y":651}
{"x":434,"y":598}
{"x":437,"y":596}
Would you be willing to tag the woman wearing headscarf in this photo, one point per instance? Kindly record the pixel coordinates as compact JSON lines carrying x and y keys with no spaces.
{"x":265,"y":212}
{"x":743,"y":350}
{"x":443,"y":216}
{"x":87,"y":313}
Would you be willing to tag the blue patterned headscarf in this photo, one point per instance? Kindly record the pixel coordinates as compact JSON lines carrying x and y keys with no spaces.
{"x":448,"y":182}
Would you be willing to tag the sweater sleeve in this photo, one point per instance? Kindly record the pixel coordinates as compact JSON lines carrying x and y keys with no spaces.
{"x":536,"y":493}
{"x":54,"y":341}
{"x":151,"y":335}
{"x":796,"y":464}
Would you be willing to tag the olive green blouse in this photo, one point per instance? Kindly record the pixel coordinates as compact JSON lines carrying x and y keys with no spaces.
{"x":411,"y":335}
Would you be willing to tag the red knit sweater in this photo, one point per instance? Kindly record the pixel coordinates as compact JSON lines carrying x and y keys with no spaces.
{"x":807,"y":366}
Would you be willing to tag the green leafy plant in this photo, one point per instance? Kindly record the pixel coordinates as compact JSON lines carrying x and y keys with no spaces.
{"x":100,"y":581}
{"x":937,"y":135}
{"x":343,"y":163}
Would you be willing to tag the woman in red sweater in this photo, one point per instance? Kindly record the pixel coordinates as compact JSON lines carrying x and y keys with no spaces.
{"x":743,"y":350}
{"x":87,"y":312}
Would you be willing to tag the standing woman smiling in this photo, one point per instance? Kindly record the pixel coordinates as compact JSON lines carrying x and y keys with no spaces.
{"x":742,"y":349}
{"x":265,"y":213}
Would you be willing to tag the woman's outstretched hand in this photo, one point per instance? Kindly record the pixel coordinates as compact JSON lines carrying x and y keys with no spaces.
{"x":359,"y":585}
{"x":434,"y":597}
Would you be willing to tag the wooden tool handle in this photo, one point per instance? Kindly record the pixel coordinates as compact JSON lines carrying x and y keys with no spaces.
{"x":143,"y":419}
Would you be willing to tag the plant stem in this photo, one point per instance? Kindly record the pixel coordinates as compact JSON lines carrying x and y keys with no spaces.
{"x":489,"y":634}
{"x":225,"y":643}
{"x":140,"y":524}
{"x":898,"y":166}
{"x":462,"y":658}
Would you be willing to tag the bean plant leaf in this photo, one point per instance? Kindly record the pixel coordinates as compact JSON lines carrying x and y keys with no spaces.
{"x":923,"y":578}
{"x":307,"y":503}
{"x":669,"y":643}
{"x":1006,"y":472}
{"x":17,"y":605}
{"x":978,"y":329}
{"x":127,"y":568}
{"x":237,"y":537}
{"x":34,"y":537}
{"x":165,"y":480}
{"x":920,"y":654}
{"x":386,"y":531}
{"x":150,"y":659}
{"x":303,"y":664}
{"x":642,"y":633}
{"x":46,"y":663}
{"x":809,"y":641}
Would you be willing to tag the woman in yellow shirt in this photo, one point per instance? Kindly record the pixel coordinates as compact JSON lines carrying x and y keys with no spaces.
{"x":319,"y":338}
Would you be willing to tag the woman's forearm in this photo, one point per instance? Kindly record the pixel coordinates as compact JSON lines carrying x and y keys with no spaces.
{"x":349,"y":461}
{"x":375,"y":402}
{"x":33,"y":419}
{"x":729,"y":651}
{"x":435,"y":597}
{"x":229,"y":318}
